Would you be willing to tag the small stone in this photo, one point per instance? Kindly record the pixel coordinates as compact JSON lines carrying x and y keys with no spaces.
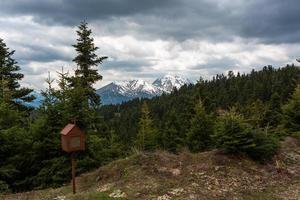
{"x":117,"y":194}
{"x":164,"y":197}
{"x":176,"y":191}
{"x":104,"y":188}
{"x":175,"y":172}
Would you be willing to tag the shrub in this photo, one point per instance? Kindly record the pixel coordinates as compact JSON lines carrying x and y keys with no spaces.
{"x":236,"y":136}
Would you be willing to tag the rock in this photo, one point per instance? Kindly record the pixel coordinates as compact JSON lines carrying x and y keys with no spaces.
{"x":176,"y":191}
{"x":104,"y":188}
{"x":175,"y":172}
{"x":117,"y":194}
{"x":60,"y":198}
{"x":195,"y":184}
{"x":164,"y":197}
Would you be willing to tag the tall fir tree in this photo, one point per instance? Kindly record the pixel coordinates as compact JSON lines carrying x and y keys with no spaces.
{"x":86,"y":74}
{"x":83,"y":100}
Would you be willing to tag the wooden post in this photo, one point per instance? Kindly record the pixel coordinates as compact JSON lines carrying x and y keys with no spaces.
{"x":73,"y":161}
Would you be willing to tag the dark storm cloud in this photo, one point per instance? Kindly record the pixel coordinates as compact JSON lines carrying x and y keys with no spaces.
{"x":70,"y":12}
{"x":272,"y":21}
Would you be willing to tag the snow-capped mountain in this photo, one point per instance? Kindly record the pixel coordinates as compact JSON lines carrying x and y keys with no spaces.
{"x":121,"y":91}
{"x":168,"y":82}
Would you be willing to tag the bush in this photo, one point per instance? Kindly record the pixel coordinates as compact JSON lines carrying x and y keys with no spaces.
{"x":236,"y":136}
{"x":4,"y":188}
{"x":265,"y":147}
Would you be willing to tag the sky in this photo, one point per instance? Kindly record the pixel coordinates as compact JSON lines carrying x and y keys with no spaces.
{"x":145,"y":39}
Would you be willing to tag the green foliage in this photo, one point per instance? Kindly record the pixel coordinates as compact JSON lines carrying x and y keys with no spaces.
{"x":255,"y":113}
{"x":13,"y":134}
{"x":172,"y":138}
{"x":10,"y":90}
{"x":147,"y":134}
{"x":236,"y":136}
{"x":266,"y":146}
{"x":86,"y":59}
{"x":199,"y":136}
{"x":291,"y":113}
{"x":4,"y":188}
{"x":273,"y":115}
{"x":255,"y":95}
{"x":233,"y":134}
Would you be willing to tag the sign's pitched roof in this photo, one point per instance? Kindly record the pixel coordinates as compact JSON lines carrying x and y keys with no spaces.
{"x":68,"y":128}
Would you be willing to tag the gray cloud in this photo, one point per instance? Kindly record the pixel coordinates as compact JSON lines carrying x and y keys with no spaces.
{"x":131,"y":65}
{"x":41,"y":53}
{"x":71,"y":12}
{"x":272,"y":21}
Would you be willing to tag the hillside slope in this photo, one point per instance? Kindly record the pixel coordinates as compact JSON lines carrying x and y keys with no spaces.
{"x":209,"y":175}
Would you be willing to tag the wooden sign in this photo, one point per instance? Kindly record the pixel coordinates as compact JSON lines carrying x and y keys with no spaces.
{"x":72,"y":140}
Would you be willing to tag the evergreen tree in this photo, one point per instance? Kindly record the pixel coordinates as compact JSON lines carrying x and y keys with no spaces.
{"x":10,"y":90}
{"x":291,"y":113}
{"x":14,"y":137}
{"x":233,"y":134}
{"x":201,"y":129}
{"x":86,"y":75}
{"x":172,"y":138}
{"x":83,"y":101}
{"x":147,"y":134}
{"x":273,"y":114}
{"x":236,"y":136}
{"x":255,"y":112}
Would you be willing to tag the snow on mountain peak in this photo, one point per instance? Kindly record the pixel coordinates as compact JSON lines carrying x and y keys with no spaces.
{"x":140,"y":88}
{"x":168,"y":82}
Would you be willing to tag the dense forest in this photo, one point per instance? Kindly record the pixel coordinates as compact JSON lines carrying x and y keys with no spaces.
{"x":196,"y":116}
{"x":241,"y":114}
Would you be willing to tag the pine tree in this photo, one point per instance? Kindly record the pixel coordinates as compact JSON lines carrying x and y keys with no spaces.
{"x":273,"y":114}
{"x":147,"y":134}
{"x":83,"y":101}
{"x":10,"y":90}
{"x":236,"y":136}
{"x":86,"y":74}
{"x":291,"y":113}
{"x":255,"y":112}
{"x":172,"y":138}
{"x":233,"y":134}
{"x":201,"y":129}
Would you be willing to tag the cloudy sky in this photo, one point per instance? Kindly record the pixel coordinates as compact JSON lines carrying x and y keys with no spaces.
{"x":146,"y":39}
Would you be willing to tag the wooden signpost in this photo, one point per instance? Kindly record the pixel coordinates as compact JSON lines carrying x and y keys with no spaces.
{"x":72,"y":140}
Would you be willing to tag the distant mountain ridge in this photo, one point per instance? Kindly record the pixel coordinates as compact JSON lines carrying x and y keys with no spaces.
{"x":121,"y":91}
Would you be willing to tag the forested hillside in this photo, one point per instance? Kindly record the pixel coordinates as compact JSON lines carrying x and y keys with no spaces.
{"x":257,"y":98}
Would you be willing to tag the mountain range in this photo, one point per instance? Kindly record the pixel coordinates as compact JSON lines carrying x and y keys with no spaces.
{"x":121,"y":91}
